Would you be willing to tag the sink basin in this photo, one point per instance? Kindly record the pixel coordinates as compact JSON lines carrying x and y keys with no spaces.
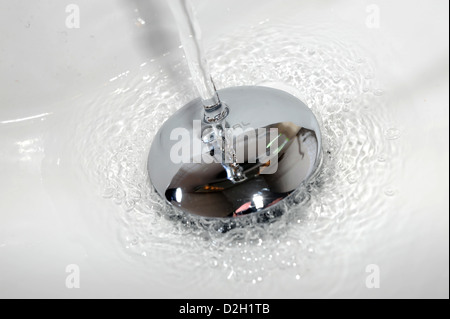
{"x":80,"y":104}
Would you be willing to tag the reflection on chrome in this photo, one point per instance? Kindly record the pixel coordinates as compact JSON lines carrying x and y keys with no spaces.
{"x":208,"y":191}
{"x":208,"y":188}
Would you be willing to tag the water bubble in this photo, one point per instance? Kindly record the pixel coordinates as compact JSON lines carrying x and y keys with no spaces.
{"x":135,"y":194}
{"x":378,"y":92}
{"x":352,"y":178}
{"x":392,"y":133}
{"x":108,"y":192}
{"x":343,"y":165}
{"x":336,"y":78}
{"x":129,"y":205}
{"x":347,"y":99}
{"x":214,"y":262}
{"x":389,"y":191}
{"x":381,"y":158}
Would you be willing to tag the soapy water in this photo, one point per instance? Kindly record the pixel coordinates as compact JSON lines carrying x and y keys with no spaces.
{"x":348,"y":196}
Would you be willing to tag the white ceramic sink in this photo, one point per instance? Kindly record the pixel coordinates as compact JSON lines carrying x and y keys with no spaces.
{"x":56,"y":87}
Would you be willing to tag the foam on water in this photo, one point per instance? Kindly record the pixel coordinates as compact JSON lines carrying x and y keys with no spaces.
{"x":336,"y":80}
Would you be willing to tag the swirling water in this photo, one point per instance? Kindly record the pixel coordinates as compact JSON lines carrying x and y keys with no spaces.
{"x":347,"y":198}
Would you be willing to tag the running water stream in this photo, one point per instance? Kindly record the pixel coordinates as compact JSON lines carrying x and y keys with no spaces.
{"x":218,"y":137}
{"x":190,"y":36}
